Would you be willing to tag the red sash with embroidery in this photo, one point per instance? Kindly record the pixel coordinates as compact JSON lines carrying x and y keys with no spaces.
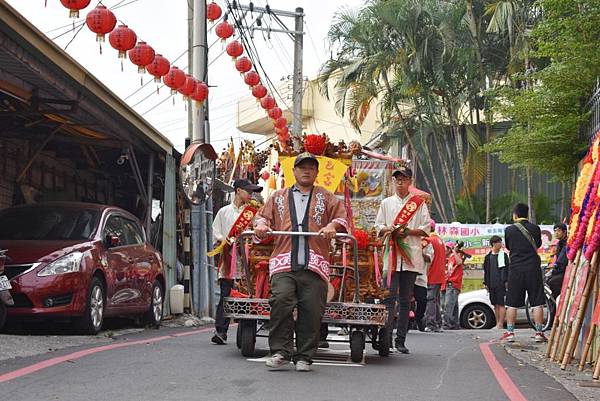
{"x":229,"y":259}
{"x":394,"y":242}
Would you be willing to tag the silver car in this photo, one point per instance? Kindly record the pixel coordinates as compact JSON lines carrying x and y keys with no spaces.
{"x":476,"y":312}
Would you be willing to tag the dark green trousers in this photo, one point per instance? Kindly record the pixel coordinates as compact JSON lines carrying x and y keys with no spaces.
{"x":308,"y":292}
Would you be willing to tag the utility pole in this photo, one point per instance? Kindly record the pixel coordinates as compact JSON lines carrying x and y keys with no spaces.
{"x":201,"y":282}
{"x":297,"y":35}
{"x":298,"y":88}
{"x":190,"y":104}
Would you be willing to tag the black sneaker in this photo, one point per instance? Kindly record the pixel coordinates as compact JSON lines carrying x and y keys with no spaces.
{"x":219,"y":339}
{"x":399,"y":345}
{"x":323,"y":344}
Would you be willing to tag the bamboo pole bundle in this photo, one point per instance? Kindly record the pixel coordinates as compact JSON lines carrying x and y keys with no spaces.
{"x":559,"y":319}
{"x":589,"y":284}
{"x":569,"y":323}
{"x":588,"y":345}
{"x":553,"y":350}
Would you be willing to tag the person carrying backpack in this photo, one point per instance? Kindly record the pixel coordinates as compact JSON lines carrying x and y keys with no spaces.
{"x":525,"y":276}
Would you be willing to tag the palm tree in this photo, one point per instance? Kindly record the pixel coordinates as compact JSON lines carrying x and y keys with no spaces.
{"x":516,"y":18}
{"x":391,"y":51}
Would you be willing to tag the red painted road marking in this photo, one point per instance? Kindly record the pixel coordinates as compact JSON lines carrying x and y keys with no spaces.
{"x":508,"y":386}
{"x":80,"y":354}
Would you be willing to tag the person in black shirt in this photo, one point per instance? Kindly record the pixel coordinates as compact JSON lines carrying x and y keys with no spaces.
{"x":560,"y":261}
{"x":495,"y":276}
{"x":525,"y":276}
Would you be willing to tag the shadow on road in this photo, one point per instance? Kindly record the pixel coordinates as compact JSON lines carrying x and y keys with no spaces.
{"x":19,"y":326}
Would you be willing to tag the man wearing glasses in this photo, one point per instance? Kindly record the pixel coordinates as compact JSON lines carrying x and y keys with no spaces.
{"x":403,"y":219}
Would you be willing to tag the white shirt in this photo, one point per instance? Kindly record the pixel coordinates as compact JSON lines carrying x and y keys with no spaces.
{"x":222,"y":224}
{"x":388,"y":210}
{"x":224,"y":220}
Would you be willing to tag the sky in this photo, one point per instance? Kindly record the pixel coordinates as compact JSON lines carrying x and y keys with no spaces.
{"x":163,"y":25}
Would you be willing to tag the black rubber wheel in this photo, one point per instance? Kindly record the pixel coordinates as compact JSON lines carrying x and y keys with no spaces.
{"x":3,"y":313}
{"x":549,"y":312}
{"x":238,"y":336}
{"x":384,"y":341}
{"x":357,"y":346}
{"x":248,"y":337}
{"x":93,"y":317}
{"x":154,"y":314}
{"x":477,"y":317}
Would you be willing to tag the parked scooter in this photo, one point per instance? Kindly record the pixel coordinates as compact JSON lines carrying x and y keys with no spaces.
{"x":5,"y":297}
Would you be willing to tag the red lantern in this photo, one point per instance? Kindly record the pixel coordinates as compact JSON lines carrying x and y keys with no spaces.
{"x":174,"y":79}
{"x":201,"y":93}
{"x":243,"y":64}
{"x":224,"y":30}
{"x":101,"y":21}
{"x":122,"y":39}
{"x":283,"y":138}
{"x":188,"y":87}
{"x":252,"y":78}
{"x":159,"y":67}
{"x":234,"y":49}
{"x":283,"y":131}
{"x":275,"y":113}
{"x":141,"y":55}
{"x":267,"y":102}
{"x":280,"y":122}
{"x":213,"y":12}
{"x":265,"y":175}
{"x":74,"y":6}
{"x":259,"y":91}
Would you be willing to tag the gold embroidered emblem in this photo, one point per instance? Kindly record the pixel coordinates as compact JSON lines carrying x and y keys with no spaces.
{"x":411,"y":206}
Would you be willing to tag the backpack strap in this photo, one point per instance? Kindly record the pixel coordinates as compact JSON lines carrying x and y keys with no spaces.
{"x":527,"y":235}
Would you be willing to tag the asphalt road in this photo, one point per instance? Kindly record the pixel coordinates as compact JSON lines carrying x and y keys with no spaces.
{"x":182,"y":364}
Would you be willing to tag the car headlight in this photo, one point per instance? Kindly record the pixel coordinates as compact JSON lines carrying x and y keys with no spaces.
{"x":67,"y":264}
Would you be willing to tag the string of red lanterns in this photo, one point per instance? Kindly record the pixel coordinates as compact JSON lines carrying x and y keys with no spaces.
{"x":102,"y":21}
{"x":243,"y":65}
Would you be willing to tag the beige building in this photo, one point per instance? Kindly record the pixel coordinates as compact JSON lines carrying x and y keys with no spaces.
{"x":318,"y":116}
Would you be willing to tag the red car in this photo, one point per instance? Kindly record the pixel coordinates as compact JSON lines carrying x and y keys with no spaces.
{"x":82,"y":261}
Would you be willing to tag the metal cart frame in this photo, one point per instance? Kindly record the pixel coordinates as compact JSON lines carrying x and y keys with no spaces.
{"x":366,"y":322}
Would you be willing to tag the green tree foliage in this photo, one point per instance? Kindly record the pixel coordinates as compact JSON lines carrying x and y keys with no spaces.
{"x":547,"y":104}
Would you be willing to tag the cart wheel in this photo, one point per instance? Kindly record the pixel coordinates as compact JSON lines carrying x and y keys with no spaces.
{"x":357,"y":346}
{"x":238,"y":336}
{"x":384,"y":341}
{"x":248,"y":337}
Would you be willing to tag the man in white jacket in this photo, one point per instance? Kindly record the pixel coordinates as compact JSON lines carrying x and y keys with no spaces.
{"x":403,"y":219}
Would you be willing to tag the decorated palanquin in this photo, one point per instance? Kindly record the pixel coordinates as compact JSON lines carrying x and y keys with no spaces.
{"x":361,"y":179}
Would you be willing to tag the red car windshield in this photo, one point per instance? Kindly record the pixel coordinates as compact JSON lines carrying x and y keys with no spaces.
{"x":50,"y":223}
